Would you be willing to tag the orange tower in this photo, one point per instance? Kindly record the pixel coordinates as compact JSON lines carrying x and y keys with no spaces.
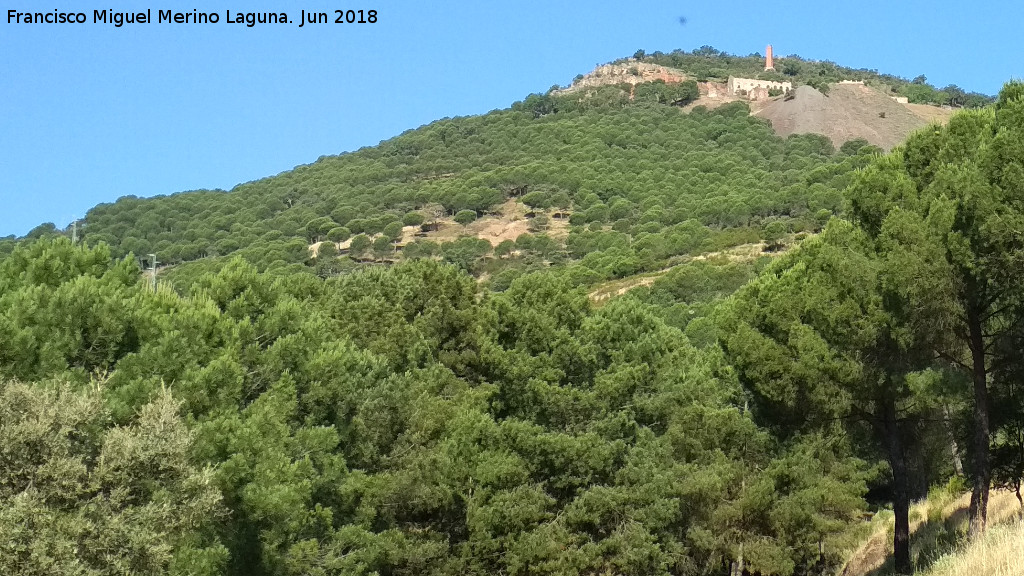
{"x":769,"y":64}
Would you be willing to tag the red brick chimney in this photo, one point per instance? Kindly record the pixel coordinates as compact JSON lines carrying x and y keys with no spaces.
{"x":769,"y":64}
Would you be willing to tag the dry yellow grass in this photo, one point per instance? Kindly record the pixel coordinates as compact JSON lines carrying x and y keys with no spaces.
{"x":507,"y":223}
{"x":605,"y":291}
{"x":931,"y":522}
{"x":930,"y":113}
{"x":999,"y":553}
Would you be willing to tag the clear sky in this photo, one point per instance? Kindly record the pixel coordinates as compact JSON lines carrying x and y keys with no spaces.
{"x":90,"y":112}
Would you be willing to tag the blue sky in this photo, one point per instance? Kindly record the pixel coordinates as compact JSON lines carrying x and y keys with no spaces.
{"x":91,"y":112}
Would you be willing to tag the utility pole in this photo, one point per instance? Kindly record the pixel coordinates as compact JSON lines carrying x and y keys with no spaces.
{"x":152,"y":268}
{"x":74,"y":231}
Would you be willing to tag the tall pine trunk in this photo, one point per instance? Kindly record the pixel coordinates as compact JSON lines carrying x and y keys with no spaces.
{"x":954,"y":448}
{"x":982,"y":472}
{"x":900,"y":488}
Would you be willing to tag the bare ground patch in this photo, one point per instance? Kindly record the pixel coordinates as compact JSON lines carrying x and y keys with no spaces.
{"x":849,"y":111}
{"x":742,"y":253}
{"x":930,"y":113}
{"x":508,"y":222}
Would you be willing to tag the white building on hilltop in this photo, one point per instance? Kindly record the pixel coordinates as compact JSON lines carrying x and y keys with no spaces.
{"x":744,"y":86}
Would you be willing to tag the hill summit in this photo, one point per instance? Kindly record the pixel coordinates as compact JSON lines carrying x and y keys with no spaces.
{"x":839,"y":103}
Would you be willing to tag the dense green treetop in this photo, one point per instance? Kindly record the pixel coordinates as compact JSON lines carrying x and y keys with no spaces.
{"x":397,"y":421}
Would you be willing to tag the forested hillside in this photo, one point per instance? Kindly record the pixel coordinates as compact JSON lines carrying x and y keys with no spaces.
{"x":403,"y":408}
{"x":640,"y":182}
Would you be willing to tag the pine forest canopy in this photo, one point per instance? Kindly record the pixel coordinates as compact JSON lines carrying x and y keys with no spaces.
{"x":630,"y":170}
{"x":461,"y":408}
{"x":643,"y":183}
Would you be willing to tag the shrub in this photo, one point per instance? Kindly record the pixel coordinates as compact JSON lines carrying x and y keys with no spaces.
{"x":464,"y":217}
{"x":413,"y":219}
{"x":339,"y":234}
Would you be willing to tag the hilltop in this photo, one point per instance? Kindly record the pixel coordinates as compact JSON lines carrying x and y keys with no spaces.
{"x":622,"y":114}
{"x":711,"y":65}
{"x":827,"y":102}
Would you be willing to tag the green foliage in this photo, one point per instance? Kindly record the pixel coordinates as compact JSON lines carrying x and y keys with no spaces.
{"x":339,"y":234}
{"x":413,"y":219}
{"x":677,"y":93}
{"x":465,"y":252}
{"x":78,"y":496}
{"x":464,"y":217}
{"x":688,"y":294}
{"x":537,"y":200}
{"x":383,"y":247}
{"x":45,"y":230}
{"x":385,"y":415}
{"x":504,"y":248}
{"x":773,"y":233}
{"x":639,"y":165}
{"x":359,"y":245}
{"x":944,"y":212}
{"x":900,"y":317}
{"x":539,"y":223}
{"x":395,"y":420}
{"x":318,"y":228}
{"x":952,"y":95}
{"x":327,"y":250}
{"x":392,"y":231}
{"x":814,"y":340}
{"x":707,"y":63}
{"x":419,"y":249}
{"x":79,"y":321}
{"x":820,"y":84}
{"x":791,"y":67}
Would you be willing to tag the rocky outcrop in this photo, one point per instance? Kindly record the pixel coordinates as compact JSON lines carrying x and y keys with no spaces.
{"x":625,"y":73}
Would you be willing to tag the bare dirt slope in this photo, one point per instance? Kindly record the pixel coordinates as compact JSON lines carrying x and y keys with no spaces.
{"x":849,"y":111}
{"x":712,"y":95}
{"x":930,"y":113}
{"x":742,"y":253}
{"x":508,"y":222}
